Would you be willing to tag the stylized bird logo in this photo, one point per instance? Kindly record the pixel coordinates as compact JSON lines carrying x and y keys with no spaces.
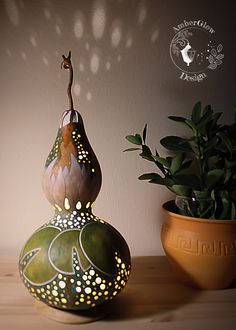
{"x":188,"y":55}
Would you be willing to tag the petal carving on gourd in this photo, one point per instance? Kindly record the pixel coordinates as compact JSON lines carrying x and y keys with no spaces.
{"x":61,"y":251}
{"x":38,"y":244}
{"x":99,"y":242}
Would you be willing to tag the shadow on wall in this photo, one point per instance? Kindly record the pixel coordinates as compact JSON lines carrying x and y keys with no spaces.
{"x":102,"y":33}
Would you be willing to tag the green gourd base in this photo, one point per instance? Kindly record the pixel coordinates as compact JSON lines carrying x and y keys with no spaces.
{"x":76,"y":261}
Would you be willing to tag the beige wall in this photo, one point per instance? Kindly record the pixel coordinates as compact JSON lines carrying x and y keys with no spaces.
{"x":123,"y":78}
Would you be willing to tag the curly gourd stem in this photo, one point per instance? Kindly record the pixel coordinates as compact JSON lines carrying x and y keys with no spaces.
{"x":66,"y":64}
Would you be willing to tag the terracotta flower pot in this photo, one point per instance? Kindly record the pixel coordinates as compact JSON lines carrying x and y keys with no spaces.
{"x":202,"y":252}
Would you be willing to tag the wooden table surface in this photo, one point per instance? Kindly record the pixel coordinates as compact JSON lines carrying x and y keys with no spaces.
{"x":152,"y":299}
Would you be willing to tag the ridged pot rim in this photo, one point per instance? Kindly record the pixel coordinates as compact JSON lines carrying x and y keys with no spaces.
{"x":169,"y":206}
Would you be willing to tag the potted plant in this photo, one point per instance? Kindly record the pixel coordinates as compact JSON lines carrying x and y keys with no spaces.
{"x":199,"y":228}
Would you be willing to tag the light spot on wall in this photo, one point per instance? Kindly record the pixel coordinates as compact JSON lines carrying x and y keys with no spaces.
{"x":33,"y":41}
{"x":108,"y":65}
{"x":12,"y":11}
{"x":89,"y":96}
{"x":81,"y":67}
{"x":58,"y":30}
{"x":78,"y":25}
{"x":9,"y":53}
{"x":129,"y":41}
{"x":154,"y":35}
{"x":98,"y":19}
{"x":23,"y":55}
{"x":94,"y":63}
{"x":45,"y":61}
{"x":142,"y":13}
{"x":87,"y":46}
{"x":21,"y":4}
{"x":77,"y":89}
{"x":47,"y":14}
{"x":119,"y":58}
{"x":116,"y":34}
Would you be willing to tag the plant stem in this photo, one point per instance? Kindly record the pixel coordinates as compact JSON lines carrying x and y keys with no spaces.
{"x":66,"y":64}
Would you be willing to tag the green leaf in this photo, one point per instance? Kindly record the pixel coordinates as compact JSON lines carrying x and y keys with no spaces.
{"x":226,"y":205}
{"x":131,"y":149}
{"x":223,"y":204}
{"x":196,"y":113}
{"x":176,"y":143}
{"x":216,"y":117}
{"x":156,"y":178}
{"x":233,"y":211}
{"x":201,"y":194}
{"x":146,"y":153}
{"x":185,"y":121}
{"x":227,"y":176}
{"x":163,"y":161}
{"x":206,"y":109}
{"x":160,"y":166}
{"x":213,"y":177}
{"x":178,"y":119}
{"x":229,"y":164}
{"x":177,"y":162}
{"x":226,"y":141}
{"x":144,"y":133}
{"x":135,"y":139}
{"x":186,"y":164}
{"x":212,"y":161}
{"x":146,"y":150}
{"x":138,"y":136}
{"x":211,"y":144}
{"x":206,"y":117}
{"x":163,"y":181}
{"x":150,"y":176}
{"x":189,"y":180}
{"x":191,"y":124}
{"x":181,"y":190}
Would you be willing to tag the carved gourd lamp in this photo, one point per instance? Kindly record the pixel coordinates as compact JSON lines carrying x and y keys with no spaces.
{"x":76,"y":261}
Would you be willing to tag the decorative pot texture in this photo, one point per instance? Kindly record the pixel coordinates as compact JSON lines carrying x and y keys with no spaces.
{"x":202,"y":252}
{"x":76,"y":261}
